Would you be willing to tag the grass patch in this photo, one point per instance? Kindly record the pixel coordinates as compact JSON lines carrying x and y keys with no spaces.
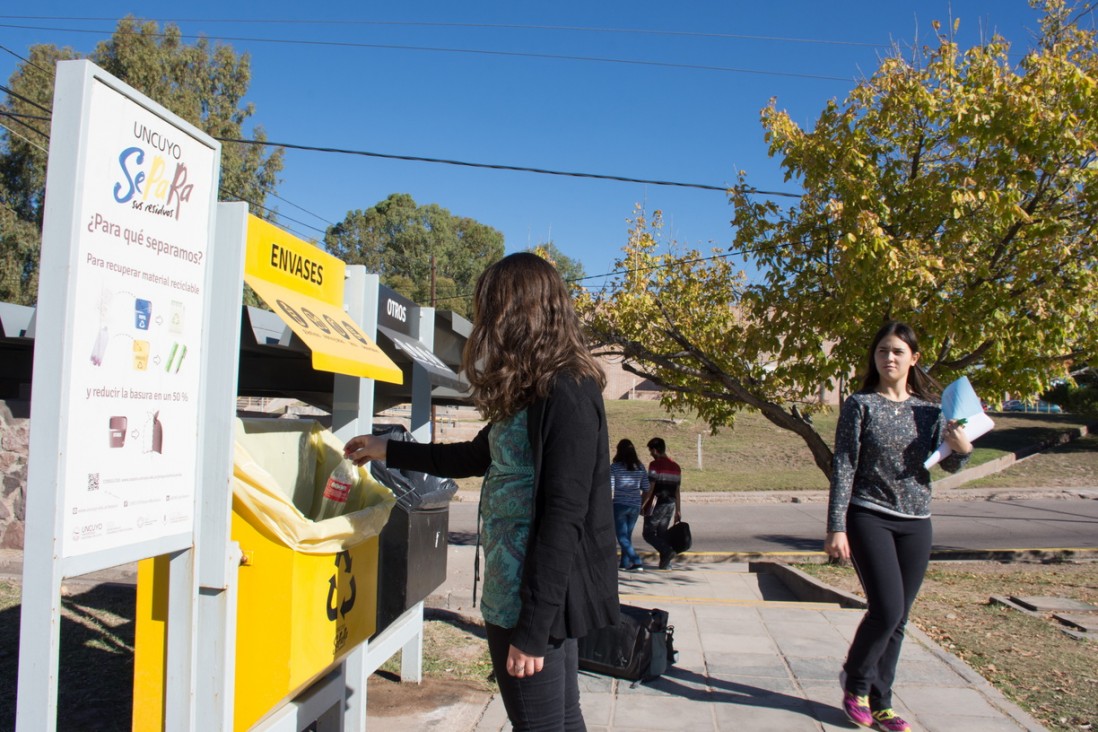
{"x":453,"y":648}
{"x":757,"y":455}
{"x":1031,"y":660}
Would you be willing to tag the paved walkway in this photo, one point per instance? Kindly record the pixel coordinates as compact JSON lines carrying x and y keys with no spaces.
{"x":751,"y":657}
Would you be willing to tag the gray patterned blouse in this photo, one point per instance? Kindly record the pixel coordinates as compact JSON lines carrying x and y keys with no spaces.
{"x":880,"y":447}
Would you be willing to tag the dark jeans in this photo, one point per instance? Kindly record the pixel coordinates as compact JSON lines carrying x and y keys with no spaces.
{"x":655,"y":530}
{"x":548,"y":700}
{"x":891,"y":555}
{"x":625,"y":519}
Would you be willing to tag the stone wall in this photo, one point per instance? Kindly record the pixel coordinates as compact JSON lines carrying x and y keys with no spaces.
{"x":14,"y":448}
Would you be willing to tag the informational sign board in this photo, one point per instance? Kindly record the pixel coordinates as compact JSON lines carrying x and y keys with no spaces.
{"x":144,"y":193}
{"x":304,"y":285}
{"x":129,"y":434}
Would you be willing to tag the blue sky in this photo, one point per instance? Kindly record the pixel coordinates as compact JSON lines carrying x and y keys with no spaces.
{"x":373,"y":77}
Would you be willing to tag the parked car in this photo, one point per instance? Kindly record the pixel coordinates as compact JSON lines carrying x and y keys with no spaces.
{"x":1017,"y":405}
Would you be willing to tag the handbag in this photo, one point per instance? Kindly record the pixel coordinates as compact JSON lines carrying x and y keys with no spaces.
{"x":678,"y":536}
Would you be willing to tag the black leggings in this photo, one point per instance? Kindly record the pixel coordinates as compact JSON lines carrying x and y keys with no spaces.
{"x":891,"y":555}
{"x":549,"y":700}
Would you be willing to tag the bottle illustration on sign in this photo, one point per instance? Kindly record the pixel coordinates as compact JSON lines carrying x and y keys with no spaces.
{"x":337,"y":490}
{"x":102,"y":337}
{"x":140,"y":327}
{"x":153,"y":434}
{"x":118,"y":431}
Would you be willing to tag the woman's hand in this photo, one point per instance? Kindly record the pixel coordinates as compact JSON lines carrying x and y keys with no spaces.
{"x":836,"y":545}
{"x":360,"y":450}
{"x":956,"y":438}
{"x":521,"y":665}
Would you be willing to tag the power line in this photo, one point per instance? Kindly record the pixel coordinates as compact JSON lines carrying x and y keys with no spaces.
{"x":24,"y":116}
{"x":468,"y":51}
{"x":20,"y":97}
{"x":21,"y":123}
{"x":495,"y":166}
{"x":654,"y":267}
{"x":27,"y":139}
{"x":238,"y":197}
{"x":498,"y":26}
{"x":299,"y":208}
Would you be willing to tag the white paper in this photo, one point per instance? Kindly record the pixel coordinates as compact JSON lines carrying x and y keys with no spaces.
{"x":959,"y":401}
{"x":976,"y":426}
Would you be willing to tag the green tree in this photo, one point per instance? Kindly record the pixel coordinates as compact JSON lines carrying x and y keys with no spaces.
{"x":570,"y":269}
{"x":201,"y":83}
{"x":960,"y":195}
{"x":410,"y":246}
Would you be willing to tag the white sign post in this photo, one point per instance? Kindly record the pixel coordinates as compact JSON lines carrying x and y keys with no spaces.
{"x":125,"y":337}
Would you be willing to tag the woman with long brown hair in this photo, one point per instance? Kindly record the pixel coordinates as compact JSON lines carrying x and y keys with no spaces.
{"x":546,"y":519}
{"x":879,"y":510}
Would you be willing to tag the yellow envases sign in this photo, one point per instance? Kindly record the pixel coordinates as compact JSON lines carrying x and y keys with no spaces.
{"x":304,"y":285}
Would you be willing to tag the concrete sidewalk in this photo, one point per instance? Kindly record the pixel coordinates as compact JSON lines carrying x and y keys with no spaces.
{"x":751,"y":657}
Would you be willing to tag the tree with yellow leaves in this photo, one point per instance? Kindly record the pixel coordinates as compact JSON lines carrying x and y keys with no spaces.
{"x":959,"y":194}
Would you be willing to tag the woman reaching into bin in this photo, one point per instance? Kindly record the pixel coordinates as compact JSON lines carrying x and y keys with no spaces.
{"x":546,"y":516}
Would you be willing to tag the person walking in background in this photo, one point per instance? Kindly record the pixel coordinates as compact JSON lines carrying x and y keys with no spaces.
{"x":629,"y":480}
{"x":879,"y":510}
{"x":662,"y":504}
{"x":546,"y":512}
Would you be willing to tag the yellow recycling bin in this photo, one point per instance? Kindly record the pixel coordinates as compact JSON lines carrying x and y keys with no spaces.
{"x":307,"y":591}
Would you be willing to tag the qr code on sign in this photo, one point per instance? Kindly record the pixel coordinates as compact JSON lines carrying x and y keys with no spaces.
{"x":93,"y":481}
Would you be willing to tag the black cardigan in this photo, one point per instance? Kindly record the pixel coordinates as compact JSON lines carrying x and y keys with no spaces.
{"x":569,"y":577}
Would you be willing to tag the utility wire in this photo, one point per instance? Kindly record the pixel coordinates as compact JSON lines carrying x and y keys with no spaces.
{"x":498,"y":26}
{"x":494,"y":166}
{"x":236,"y":196}
{"x":299,"y":208}
{"x":24,"y":99}
{"x":654,"y":267}
{"x":24,"y":116}
{"x":27,"y":139}
{"x":21,"y":123}
{"x":468,"y":51}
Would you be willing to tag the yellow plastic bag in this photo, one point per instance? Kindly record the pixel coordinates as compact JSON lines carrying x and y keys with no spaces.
{"x":279,"y":465}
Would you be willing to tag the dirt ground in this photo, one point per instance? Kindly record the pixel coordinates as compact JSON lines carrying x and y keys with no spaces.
{"x":456,"y":668}
{"x":1029,"y":658}
{"x":388,"y":697}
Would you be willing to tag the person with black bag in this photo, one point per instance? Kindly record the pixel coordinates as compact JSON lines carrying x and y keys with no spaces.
{"x":662,"y":503}
{"x":546,"y":513}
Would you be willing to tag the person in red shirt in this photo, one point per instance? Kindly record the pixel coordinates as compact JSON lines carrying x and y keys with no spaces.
{"x":662,"y":504}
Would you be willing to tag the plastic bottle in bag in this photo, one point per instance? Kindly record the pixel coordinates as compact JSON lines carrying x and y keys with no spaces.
{"x":337,"y":490}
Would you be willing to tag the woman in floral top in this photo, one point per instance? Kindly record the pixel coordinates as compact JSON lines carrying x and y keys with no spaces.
{"x":879,"y":511}
{"x":546,"y":510}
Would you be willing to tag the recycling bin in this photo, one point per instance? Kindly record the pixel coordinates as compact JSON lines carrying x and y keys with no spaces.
{"x":413,"y":547}
{"x":307,"y":591}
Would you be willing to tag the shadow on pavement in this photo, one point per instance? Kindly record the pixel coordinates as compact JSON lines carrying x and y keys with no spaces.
{"x":95,"y":686}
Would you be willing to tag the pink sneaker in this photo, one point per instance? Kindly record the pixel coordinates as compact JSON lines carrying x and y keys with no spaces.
{"x":857,"y":709}
{"x":887,"y":720}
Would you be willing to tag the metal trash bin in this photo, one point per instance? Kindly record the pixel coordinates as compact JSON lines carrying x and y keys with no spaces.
{"x":413,"y":544}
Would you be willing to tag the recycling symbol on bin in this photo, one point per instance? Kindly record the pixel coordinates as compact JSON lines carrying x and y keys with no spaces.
{"x":344,"y":606}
